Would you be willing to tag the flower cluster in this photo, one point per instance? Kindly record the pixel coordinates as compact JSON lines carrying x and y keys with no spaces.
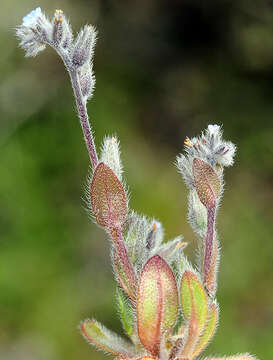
{"x":36,"y":31}
{"x":209,"y":147}
{"x":167,"y":305}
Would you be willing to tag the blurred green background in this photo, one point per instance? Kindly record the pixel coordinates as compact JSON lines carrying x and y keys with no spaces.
{"x":165,"y":70}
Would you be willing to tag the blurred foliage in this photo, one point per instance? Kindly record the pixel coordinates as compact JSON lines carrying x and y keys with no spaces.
{"x":165,"y":69}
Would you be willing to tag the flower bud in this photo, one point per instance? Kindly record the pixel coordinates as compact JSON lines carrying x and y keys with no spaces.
{"x":84,"y":46}
{"x":87,"y":80}
{"x":110,"y":155}
{"x":58,"y":29}
{"x":197,"y":214}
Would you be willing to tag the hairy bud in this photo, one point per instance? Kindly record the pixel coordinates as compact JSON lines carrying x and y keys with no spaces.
{"x":87,"y":80}
{"x":84,"y":46}
{"x":58,"y":28}
{"x":110,"y":155}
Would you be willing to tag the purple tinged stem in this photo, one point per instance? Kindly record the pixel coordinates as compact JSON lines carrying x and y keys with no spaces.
{"x":209,"y":241}
{"x":80,"y":103}
{"x":83,"y":115}
{"x":126,"y":264}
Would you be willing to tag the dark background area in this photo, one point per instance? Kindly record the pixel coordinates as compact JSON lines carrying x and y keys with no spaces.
{"x":164,"y":70}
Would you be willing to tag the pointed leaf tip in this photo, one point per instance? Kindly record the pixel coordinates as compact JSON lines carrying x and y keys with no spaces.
{"x":125,"y":312}
{"x":207,"y":182}
{"x":193,"y":299}
{"x":104,"y":339}
{"x":157,"y":303}
{"x":209,"y":331}
{"x":108,"y":197}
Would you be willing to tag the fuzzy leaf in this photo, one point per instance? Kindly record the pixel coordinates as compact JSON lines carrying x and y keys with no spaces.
{"x":106,"y":340}
{"x":235,"y":357}
{"x":207,"y":182}
{"x":108,"y":198}
{"x":193,"y":299}
{"x":209,"y":329}
{"x":125,"y":312}
{"x":157,"y":303}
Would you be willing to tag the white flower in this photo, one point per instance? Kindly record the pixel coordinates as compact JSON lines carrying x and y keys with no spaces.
{"x":226,"y":156}
{"x":209,"y":147}
{"x":32,"y":18}
{"x":34,"y":32}
{"x":213,"y":129}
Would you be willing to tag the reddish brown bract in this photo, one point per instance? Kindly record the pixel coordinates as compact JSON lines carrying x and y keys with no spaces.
{"x":207,"y":182}
{"x":108,"y":198}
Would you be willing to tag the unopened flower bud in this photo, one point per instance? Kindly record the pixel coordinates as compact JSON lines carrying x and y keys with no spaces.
{"x":84,"y":46}
{"x":110,"y":155}
{"x":197,"y":214}
{"x":62,"y":32}
{"x":153,"y":234}
{"x":87,"y":80}
{"x":67,"y":34}
{"x":58,"y":30}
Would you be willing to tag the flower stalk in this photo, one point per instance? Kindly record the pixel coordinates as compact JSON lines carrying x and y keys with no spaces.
{"x":209,"y":242}
{"x":83,"y":115}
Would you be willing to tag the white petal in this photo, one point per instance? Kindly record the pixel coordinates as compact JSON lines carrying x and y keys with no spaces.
{"x":32,"y":18}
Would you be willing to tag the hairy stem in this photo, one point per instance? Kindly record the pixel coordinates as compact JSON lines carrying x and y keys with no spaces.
{"x":125,"y":262}
{"x":83,"y":115}
{"x":209,"y":242}
{"x":80,"y":103}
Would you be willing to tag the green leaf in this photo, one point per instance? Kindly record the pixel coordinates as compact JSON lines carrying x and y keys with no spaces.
{"x":108,"y":198}
{"x":125,"y":312}
{"x":157,"y":303}
{"x":193,"y":299}
{"x":210,"y":328}
{"x":106,"y":340}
